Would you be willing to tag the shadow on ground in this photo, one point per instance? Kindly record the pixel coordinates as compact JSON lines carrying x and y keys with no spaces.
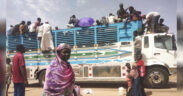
{"x":168,"y":86}
{"x":107,"y":85}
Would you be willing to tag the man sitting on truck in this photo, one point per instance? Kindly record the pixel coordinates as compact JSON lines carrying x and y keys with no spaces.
{"x":111,"y":19}
{"x":122,"y":14}
{"x":162,"y":27}
{"x":152,"y":19}
{"x":103,"y":21}
{"x":73,"y":22}
{"x":132,"y":16}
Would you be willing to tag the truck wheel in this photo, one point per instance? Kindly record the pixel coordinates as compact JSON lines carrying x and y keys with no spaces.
{"x":42,"y":78}
{"x":156,"y":77}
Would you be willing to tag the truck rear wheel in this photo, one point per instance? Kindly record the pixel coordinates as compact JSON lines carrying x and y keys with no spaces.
{"x":156,"y":77}
{"x":42,"y":77}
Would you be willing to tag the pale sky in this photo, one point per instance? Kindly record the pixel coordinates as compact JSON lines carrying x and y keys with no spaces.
{"x":57,"y":12}
{"x":180,"y":7}
{"x":2,"y":9}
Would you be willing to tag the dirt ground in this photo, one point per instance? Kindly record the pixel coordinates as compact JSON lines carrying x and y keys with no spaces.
{"x":106,"y":89}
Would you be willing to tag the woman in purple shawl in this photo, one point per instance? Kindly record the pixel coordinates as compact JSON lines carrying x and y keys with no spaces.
{"x":59,"y":79}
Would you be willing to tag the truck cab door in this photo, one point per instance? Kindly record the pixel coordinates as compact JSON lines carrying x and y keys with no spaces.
{"x":164,"y":49}
{"x":147,"y":48}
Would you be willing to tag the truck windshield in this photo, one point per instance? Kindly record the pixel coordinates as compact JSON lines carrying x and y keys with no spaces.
{"x":164,"y":42}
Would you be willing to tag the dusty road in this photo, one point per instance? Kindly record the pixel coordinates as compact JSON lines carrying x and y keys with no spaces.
{"x":106,"y":89}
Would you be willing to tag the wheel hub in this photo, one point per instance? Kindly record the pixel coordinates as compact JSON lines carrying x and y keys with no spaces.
{"x":156,"y":77}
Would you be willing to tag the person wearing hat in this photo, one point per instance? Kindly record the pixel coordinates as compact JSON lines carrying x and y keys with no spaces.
{"x":47,"y":39}
{"x":111,"y":19}
{"x":152,"y":18}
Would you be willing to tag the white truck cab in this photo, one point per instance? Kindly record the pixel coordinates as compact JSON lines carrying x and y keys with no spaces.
{"x":159,"y":55}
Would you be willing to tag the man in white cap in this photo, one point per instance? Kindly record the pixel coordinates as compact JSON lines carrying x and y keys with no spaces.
{"x":47,"y":39}
{"x":152,"y":18}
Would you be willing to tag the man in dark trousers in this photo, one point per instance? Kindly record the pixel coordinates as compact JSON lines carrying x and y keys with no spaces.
{"x":141,"y":67}
{"x":19,"y":72}
{"x":122,"y":14}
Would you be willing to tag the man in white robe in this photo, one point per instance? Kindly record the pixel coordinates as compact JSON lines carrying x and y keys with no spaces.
{"x":47,"y":39}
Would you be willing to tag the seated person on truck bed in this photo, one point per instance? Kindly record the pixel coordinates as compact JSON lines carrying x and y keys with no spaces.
{"x":122,"y":14}
{"x":162,"y":27}
{"x":73,"y":22}
{"x":111,"y":19}
{"x":103,"y":21}
{"x":152,"y":19}
{"x":132,"y":16}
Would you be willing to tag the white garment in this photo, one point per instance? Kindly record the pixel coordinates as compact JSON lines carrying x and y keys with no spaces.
{"x":47,"y":39}
{"x":152,"y":14}
{"x":70,"y":25}
{"x":138,"y":42}
{"x":40,"y":31}
{"x":31,"y":28}
{"x":111,"y":19}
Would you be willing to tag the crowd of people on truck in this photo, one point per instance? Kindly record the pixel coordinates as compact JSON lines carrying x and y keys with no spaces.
{"x":41,"y":30}
{"x":61,"y":70}
{"x":153,"y":23}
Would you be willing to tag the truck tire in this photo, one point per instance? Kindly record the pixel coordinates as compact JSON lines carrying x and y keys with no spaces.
{"x":42,"y":78}
{"x":156,"y":77}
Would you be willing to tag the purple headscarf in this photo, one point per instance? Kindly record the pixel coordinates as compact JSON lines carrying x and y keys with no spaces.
{"x":59,"y":77}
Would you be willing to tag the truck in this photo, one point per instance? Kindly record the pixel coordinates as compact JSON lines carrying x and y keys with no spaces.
{"x":99,"y":53}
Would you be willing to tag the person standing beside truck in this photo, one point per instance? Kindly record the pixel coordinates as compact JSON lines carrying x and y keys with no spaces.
{"x":136,"y":86}
{"x":8,"y":74}
{"x":60,"y":77}
{"x":137,"y":44}
{"x":129,"y":80}
{"x":141,"y":67}
{"x":19,"y":72}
